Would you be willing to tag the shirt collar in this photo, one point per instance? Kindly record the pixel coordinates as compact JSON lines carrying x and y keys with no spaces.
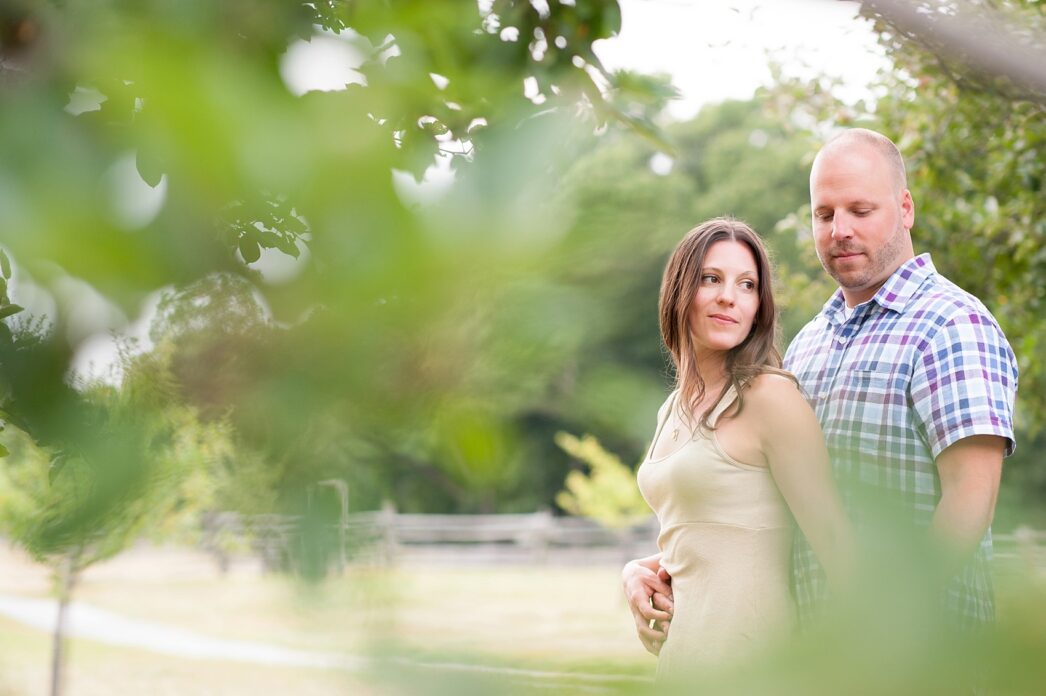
{"x":895,"y":293}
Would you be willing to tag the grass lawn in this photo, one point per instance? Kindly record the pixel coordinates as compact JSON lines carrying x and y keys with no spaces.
{"x":100,"y":670}
{"x":536,"y":618}
{"x":559,"y":617}
{"x":437,"y":629}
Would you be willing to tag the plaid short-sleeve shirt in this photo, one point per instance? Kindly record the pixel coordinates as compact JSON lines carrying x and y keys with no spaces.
{"x":918,"y":367}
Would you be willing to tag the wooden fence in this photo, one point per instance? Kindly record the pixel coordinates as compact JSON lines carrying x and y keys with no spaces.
{"x":387,"y":536}
{"x":1022,"y":551}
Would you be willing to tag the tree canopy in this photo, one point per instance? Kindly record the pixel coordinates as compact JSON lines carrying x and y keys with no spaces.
{"x":429,"y":352}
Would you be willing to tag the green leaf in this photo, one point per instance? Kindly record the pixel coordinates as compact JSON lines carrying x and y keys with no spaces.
{"x":288,"y":246}
{"x":5,"y":264}
{"x":611,"y":21}
{"x":269,"y":239}
{"x":293,"y":224}
{"x":57,"y":465}
{"x":249,"y":250}
{"x":4,"y":451}
{"x":149,"y":166}
{"x":10,"y":309}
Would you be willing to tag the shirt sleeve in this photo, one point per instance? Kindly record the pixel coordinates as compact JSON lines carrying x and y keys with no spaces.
{"x":965,"y":383}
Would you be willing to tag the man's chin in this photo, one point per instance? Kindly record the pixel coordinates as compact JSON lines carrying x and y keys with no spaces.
{"x":850,"y":281}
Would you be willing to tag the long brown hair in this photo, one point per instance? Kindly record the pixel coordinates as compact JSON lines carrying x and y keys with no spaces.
{"x":758,"y":353}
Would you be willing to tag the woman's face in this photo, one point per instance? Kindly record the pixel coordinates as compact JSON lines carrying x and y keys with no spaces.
{"x":727,"y":297}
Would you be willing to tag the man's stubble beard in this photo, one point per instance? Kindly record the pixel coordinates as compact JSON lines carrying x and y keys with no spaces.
{"x":881,"y":264}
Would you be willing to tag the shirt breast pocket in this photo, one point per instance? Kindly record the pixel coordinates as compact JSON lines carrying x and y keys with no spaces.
{"x":872,"y":399}
{"x":867,"y":385}
{"x":864,"y":410}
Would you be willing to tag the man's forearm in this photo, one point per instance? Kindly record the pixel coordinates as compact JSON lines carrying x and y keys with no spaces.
{"x":969,"y":471}
{"x":960,"y":521}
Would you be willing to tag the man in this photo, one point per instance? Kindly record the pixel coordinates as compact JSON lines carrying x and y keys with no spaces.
{"x":911,"y":378}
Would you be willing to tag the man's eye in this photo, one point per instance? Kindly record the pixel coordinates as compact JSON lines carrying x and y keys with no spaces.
{"x":824,"y":217}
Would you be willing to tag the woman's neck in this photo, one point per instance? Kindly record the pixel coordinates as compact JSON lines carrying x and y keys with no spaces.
{"x":712,"y":368}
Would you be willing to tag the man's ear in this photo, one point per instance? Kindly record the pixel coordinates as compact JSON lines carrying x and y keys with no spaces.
{"x":907,"y":209}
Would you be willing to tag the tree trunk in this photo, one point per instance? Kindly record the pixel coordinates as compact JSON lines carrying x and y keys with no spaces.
{"x":67,"y":574}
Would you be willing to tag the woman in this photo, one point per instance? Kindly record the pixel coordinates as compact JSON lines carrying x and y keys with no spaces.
{"x":737,"y":454}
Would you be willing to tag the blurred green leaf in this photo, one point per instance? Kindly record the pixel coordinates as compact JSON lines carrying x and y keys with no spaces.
{"x":250,"y":250}
{"x":149,"y":167}
{"x":288,"y":246}
{"x":8,"y":310}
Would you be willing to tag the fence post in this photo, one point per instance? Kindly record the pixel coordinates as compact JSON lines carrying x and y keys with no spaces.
{"x":342,"y":489}
{"x":542,"y":529}
{"x":389,"y":538}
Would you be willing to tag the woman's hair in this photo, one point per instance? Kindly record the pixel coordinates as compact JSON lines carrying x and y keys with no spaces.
{"x":758,"y":353}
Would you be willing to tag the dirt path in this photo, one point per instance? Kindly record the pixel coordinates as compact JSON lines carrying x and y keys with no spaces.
{"x":92,"y":623}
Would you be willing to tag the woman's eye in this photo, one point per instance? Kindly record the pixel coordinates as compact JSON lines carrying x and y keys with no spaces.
{"x":748,"y":285}
{"x":709,"y":279}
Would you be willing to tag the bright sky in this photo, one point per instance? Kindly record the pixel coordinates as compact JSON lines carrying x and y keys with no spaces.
{"x":713,"y":50}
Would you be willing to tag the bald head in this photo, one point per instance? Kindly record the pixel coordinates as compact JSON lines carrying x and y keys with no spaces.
{"x":858,"y":137}
{"x":861,"y":211}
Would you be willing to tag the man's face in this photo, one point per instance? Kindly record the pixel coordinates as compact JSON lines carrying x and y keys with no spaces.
{"x":861,"y":218}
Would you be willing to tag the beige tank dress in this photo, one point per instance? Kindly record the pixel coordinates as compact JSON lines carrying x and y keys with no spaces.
{"x":726,"y":538}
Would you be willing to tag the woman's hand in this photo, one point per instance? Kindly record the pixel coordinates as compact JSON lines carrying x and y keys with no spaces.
{"x":649,"y":593}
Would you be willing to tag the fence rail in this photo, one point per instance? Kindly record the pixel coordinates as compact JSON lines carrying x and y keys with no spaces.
{"x":1023,"y":550}
{"x":387,"y":536}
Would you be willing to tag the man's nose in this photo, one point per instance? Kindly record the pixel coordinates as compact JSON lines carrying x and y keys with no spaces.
{"x":841,"y":226}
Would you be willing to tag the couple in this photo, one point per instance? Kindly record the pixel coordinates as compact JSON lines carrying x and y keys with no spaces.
{"x":909,"y":388}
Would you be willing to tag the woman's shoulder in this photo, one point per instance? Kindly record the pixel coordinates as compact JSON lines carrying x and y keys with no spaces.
{"x":669,"y":400}
{"x":776,"y":404}
{"x":770,"y":391}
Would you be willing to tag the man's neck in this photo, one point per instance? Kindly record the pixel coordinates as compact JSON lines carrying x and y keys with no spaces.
{"x":856,"y":297}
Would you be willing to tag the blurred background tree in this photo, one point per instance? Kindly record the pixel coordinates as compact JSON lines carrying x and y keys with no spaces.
{"x":371,"y":336}
{"x":323,"y":316}
{"x":428,"y":352}
{"x":607,"y":493}
{"x":120,"y":463}
{"x":975,"y":141}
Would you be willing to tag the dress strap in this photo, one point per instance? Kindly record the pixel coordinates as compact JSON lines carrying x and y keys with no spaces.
{"x":728,"y":399}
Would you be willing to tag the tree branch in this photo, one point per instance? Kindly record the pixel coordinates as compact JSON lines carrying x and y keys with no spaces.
{"x":981,"y":38}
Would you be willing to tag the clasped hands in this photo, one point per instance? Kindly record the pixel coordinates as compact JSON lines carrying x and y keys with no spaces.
{"x":648,"y":591}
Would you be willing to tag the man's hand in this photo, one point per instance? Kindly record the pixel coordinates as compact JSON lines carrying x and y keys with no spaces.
{"x":649,"y":594}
